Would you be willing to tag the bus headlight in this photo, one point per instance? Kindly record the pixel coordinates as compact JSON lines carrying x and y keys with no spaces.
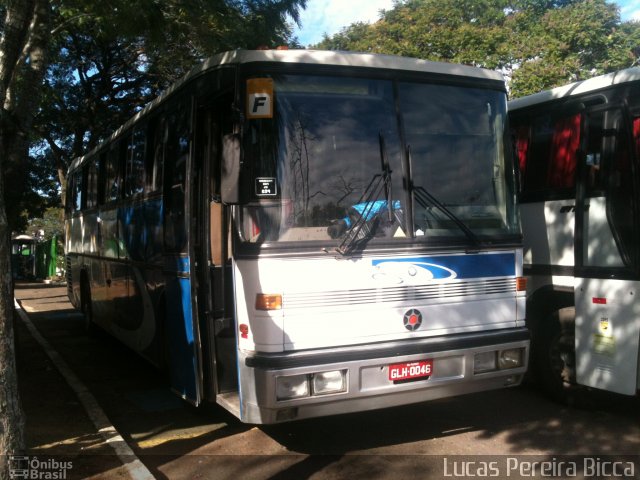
{"x":329,"y":382}
{"x":498,"y":360}
{"x":308,"y":385}
{"x":511,"y":358}
{"x":293,"y":386}
{"x":484,"y":362}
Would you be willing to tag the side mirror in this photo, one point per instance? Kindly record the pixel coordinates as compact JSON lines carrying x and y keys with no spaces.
{"x":230,"y":175}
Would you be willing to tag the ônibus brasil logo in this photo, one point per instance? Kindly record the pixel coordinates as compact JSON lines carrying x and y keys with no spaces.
{"x":412,"y":320}
{"x":33,"y":468}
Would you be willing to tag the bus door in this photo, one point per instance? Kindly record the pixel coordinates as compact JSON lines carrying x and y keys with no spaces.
{"x":607,"y":287}
{"x":215,"y":300}
{"x":182,"y":336}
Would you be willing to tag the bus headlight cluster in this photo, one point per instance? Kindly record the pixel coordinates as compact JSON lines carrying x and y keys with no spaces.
{"x":309,"y":385}
{"x":498,"y":360}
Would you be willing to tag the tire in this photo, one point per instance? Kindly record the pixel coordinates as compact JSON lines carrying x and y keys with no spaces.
{"x":554,"y":362}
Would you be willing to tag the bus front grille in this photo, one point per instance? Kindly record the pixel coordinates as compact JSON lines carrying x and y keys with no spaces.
{"x":408,"y":293}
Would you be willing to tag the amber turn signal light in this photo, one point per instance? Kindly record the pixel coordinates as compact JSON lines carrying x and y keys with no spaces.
{"x":268,"y":302}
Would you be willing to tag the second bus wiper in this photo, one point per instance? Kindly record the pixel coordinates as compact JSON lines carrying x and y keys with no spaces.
{"x":426,"y":199}
{"x":369,"y":206}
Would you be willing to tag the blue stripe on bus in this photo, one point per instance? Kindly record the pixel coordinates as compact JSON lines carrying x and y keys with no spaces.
{"x":460,"y":266}
{"x":183,"y":365}
{"x":176,"y":264}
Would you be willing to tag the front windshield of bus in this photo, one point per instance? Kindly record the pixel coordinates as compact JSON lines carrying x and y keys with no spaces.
{"x":314,"y":157}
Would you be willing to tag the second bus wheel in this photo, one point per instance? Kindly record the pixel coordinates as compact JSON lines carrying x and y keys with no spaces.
{"x":555,"y":356}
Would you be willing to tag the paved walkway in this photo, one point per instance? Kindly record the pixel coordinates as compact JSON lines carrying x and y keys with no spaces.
{"x":60,"y":433}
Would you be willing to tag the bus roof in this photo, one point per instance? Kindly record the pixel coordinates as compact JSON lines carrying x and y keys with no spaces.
{"x":347,"y":59}
{"x":577,"y":88}
{"x":310,"y":57}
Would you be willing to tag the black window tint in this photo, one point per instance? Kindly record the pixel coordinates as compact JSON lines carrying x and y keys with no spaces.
{"x":112,"y":175}
{"x":177,"y":154}
{"x":92,"y":183}
{"x":77,"y":192}
{"x":135,"y":162}
{"x":621,"y":191}
{"x":155,"y":156}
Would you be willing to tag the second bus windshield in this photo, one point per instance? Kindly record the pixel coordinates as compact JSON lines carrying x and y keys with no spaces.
{"x":318,"y":147}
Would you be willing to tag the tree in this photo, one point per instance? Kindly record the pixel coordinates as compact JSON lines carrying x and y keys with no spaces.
{"x":578,"y":41}
{"x":23,"y":48}
{"x":538,"y":44}
{"x":111,"y":58}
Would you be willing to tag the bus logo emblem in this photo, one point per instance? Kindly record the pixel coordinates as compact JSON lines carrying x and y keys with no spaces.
{"x":412,"y":320}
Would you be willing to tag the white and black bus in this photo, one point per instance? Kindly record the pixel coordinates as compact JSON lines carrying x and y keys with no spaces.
{"x":306,"y":233}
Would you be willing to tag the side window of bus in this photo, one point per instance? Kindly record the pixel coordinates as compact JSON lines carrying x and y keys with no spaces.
{"x":77,"y":191}
{"x":92,"y":183}
{"x":595,"y":133}
{"x":176,"y":156}
{"x":548,"y":159}
{"x":157,"y":134}
{"x":620,"y":187}
{"x":134,"y":180}
{"x":112,"y":174}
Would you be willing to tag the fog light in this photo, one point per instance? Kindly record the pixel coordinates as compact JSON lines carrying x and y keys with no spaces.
{"x":294,"y":386}
{"x":329,"y":382}
{"x":512,"y":380}
{"x":484,"y":362}
{"x":286,"y":414}
{"x":511,"y":358}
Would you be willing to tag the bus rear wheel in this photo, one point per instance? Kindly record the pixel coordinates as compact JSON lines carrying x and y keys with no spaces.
{"x":555,"y":362}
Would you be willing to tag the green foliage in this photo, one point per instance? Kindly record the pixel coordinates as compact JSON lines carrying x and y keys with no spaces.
{"x":51,"y":223}
{"x":108,"y":59}
{"x":539,"y":44}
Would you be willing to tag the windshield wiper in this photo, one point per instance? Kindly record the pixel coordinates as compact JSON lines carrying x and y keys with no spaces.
{"x":369,"y":206}
{"x":426,"y":199}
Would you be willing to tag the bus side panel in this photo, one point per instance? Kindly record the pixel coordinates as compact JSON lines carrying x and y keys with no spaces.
{"x":548,"y":230}
{"x":181,"y":337}
{"x":153,"y":233}
{"x":607,"y":334}
{"x":73,"y":279}
{"x":73,"y":246}
{"x":108,"y":233}
{"x":90,"y":232}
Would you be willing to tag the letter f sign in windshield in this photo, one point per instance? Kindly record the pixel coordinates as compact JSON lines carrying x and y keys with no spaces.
{"x":258,"y":104}
{"x":259,"y":98}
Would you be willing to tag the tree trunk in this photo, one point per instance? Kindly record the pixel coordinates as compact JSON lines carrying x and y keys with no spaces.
{"x":16,"y":26}
{"x":23,"y":62}
{"x":12,"y":440}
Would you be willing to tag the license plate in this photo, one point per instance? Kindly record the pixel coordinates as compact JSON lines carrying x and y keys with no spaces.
{"x":410,"y":370}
